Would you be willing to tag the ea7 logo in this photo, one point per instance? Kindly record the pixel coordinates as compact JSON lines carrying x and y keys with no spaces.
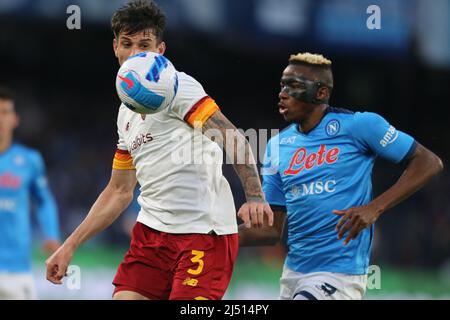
{"x":390,"y":136}
{"x":288,"y":140}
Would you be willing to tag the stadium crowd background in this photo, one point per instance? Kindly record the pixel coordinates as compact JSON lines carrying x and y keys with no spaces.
{"x":64,"y":82}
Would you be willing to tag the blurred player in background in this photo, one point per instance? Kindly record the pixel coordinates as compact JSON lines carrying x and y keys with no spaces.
{"x":319,"y":170}
{"x":185,"y":241}
{"x":22,"y":178}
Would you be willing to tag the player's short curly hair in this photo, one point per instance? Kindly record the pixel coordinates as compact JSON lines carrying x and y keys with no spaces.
{"x":318,"y":63}
{"x":6,"y":93}
{"x":137,"y":16}
{"x":310,"y":58}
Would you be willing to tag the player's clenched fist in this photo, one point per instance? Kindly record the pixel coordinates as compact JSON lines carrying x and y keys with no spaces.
{"x":57,"y":264}
{"x":255,"y":212}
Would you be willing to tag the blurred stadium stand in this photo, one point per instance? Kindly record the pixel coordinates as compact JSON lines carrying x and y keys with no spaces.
{"x":64,"y":81}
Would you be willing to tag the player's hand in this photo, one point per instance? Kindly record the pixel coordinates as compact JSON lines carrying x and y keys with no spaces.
{"x":254,"y":212}
{"x":50,"y":246}
{"x":355,"y":219}
{"x":57,"y":264}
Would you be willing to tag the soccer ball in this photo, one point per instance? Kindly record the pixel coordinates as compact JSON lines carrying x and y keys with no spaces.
{"x":147,"y":83}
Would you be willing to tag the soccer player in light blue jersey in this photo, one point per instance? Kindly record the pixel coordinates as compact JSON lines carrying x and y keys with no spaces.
{"x":22,"y":180}
{"x":317,"y":173}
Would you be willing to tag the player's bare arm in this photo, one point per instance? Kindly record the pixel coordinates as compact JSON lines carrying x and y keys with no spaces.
{"x":256,"y":208}
{"x":422,"y":166}
{"x":114,"y":199}
{"x":265,"y":236}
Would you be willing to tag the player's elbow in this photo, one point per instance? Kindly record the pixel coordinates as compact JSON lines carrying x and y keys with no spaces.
{"x":435,"y":164}
{"x":439,"y":165}
{"x":121,"y":194}
{"x":127,"y":197}
{"x":430,"y":163}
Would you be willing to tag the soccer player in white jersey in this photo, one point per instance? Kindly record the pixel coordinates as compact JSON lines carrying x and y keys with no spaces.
{"x":317,"y":173}
{"x":185,"y":241}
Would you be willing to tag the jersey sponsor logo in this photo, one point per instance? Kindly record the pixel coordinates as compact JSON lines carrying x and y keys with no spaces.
{"x":390,"y":136}
{"x":140,"y":140}
{"x":315,"y":187}
{"x":332,"y":128}
{"x":8,"y":180}
{"x":302,"y":160}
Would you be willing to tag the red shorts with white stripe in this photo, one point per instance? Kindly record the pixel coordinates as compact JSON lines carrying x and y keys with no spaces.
{"x":164,"y":266}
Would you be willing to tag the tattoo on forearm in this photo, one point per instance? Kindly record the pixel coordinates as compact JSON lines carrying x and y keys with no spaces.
{"x":235,"y":145}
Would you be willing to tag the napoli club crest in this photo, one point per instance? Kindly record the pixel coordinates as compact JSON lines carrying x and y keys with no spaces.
{"x":333,"y":127}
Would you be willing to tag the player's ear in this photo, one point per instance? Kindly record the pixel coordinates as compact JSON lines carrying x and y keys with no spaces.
{"x":323,"y":93}
{"x":162,"y":48}
{"x":17,"y":121}
{"x":115,"y":47}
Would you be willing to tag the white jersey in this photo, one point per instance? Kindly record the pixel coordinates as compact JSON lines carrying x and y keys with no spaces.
{"x":178,"y":195}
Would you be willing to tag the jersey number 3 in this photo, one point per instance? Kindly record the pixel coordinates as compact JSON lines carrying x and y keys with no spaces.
{"x":197,"y":258}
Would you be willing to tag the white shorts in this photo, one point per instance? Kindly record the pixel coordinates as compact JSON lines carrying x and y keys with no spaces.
{"x":17,"y":286}
{"x":321,"y":286}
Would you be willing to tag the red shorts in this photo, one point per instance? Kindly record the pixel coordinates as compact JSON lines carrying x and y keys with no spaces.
{"x":163,"y":266}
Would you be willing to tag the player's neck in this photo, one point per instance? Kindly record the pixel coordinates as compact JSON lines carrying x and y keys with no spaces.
{"x":313,"y":119}
{"x":5,"y":143}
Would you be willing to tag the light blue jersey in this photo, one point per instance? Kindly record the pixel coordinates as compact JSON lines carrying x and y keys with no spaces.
{"x":329,"y":168}
{"x":22,"y":179}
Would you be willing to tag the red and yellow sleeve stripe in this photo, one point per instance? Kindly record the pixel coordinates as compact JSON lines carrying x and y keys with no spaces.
{"x":123,"y":160}
{"x":201,"y":111}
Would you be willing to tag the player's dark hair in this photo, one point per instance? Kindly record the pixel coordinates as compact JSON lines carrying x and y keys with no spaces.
{"x":6,"y":93}
{"x":323,"y":72}
{"x":137,"y":16}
